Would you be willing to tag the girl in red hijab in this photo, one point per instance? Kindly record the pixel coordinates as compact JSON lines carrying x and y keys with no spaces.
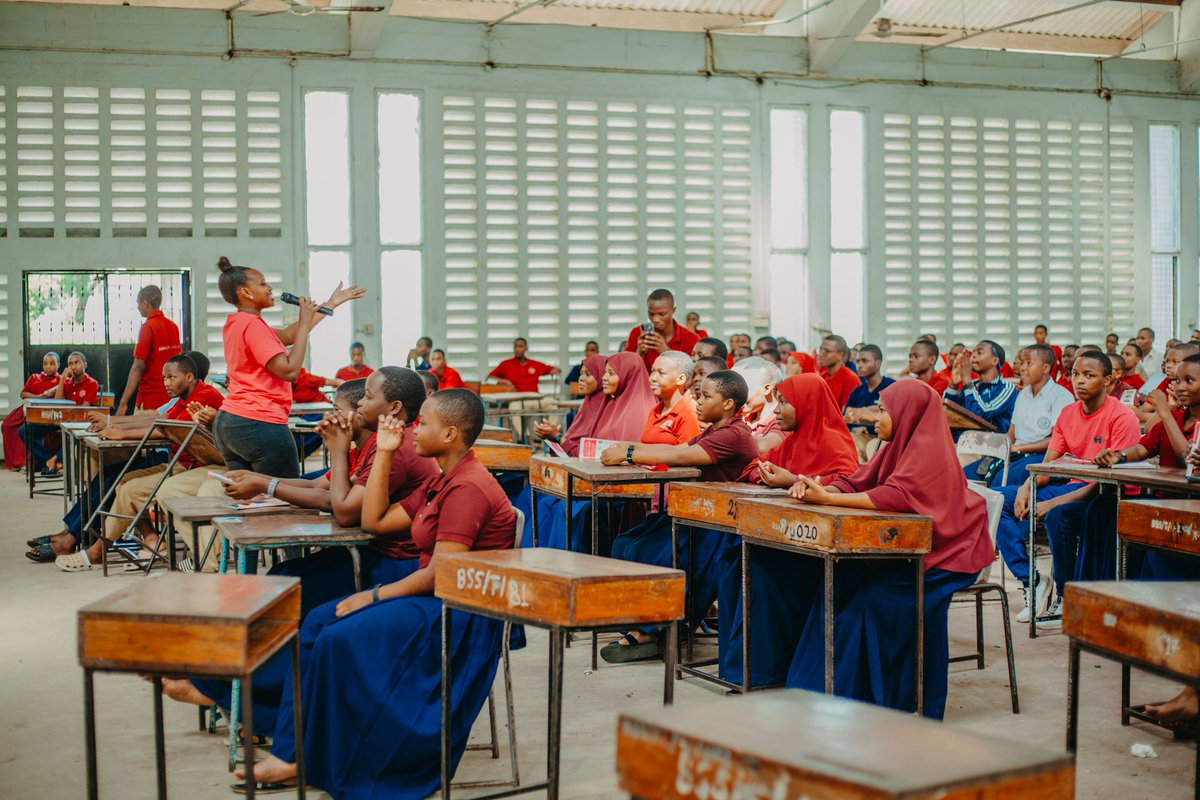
{"x":817,"y":445}
{"x":916,"y":471}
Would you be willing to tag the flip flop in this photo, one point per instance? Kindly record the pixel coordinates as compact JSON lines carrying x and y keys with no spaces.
{"x":38,"y":541}
{"x":74,"y":562}
{"x":42,"y":554}
{"x":274,"y":787}
{"x":617,"y":653}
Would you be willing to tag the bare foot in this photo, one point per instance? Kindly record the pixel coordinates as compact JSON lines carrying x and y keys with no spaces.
{"x":62,"y":544}
{"x":1181,"y":708}
{"x":271,"y":769}
{"x":183,"y":691}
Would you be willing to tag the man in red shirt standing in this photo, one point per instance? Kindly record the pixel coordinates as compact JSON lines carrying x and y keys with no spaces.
{"x":662,"y":333}
{"x":158,"y":342}
{"x":519,"y":372}
{"x":832,"y":358}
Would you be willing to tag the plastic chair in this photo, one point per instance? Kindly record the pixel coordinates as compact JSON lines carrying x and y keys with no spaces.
{"x":995,"y":504}
{"x":981,"y":444}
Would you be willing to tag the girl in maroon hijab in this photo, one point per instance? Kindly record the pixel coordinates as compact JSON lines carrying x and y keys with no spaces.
{"x":587,"y":419}
{"x":627,"y":387}
{"x":918,"y":472}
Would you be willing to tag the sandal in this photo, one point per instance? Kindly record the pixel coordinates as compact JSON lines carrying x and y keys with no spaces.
{"x":617,"y":653}
{"x":274,"y":787}
{"x":38,"y":541}
{"x":42,"y":554}
{"x":74,"y":562}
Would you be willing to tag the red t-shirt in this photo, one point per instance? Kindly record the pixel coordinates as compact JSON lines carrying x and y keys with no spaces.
{"x":1134,"y":380}
{"x":938,"y":381}
{"x":450,"y":379}
{"x":349,"y":373}
{"x":764,"y":425}
{"x":406,"y":475}
{"x":464,"y":505}
{"x":1113,"y":426}
{"x":85,"y":391}
{"x":843,"y":383}
{"x":676,"y":426}
{"x":158,"y":341}
{"x":731,"y":447}
{"x":682,"y":340}
{"x":254,"y":391}
{"x":307,"y":388}
{"x":1158,"y":443}
{"x":1065,"y":382}
{"x":203,"y":394}
{"x":40,"y":382}
{"x":523,"y":375}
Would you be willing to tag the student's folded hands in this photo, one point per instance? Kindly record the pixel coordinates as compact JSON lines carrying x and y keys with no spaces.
{"x":809,"y":490}
{"x":776,"y":476}
{"x":547,"y":430}
{"x":335,"y":430}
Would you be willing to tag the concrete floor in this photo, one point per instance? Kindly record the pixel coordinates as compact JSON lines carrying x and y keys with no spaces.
{"x":41,"y":720}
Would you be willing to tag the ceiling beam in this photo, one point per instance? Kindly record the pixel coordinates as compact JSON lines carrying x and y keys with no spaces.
{"x":832,"y":30}
{"x":1189,"y":48}
{"x":366,"y":30}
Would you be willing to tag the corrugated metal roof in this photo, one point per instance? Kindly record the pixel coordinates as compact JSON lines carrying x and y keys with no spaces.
{"x":1104,"y":20}
{"x":740,"y":8}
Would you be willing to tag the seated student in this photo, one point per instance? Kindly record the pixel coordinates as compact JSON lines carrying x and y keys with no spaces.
{"x":672,"y":419}
{"x":989,"y":396}
{"x":708,"y":346}
{"x":758,"y":413}
{"x":76,"y":385}
{"x":799,"y":363}
{"x":448,"y":377}
{"x":1111,"y":341}
{"x":874,"y":630}
{"x":429,"y":380}
{"x":395,"y":392}
{"x":357,"y":368}
{"x":1171,"y":361}
{"x":1066,"y":362}
{"x":702,"y":369}
{"x":832,"y":359}
{"x":722,"y":452}
{"x":590,"y":349}
{"x":1120,"y":389}
{"x":922,"y":365}
{"x":772,"y":355}
{"x":950,"y":359}
{"x":179,"y":378}
{"x":307,"y":387}
{"x":370,"y":662}
{"x":39,"y":385}
{"x":521,"y":373}
{"x":765,"y":343}
{"x":1150,"y":357}
{"x":1038,"y":405}
{"x":862,"y":409}
{"x":738,"y":353}
{"x":817,"y":445}
{"x":786,"y":348}
{"x":737,"y":340}
{"x":1131,"y":359}
{"x":419,"y":358}
{"x":692,"y":321}
{"x":1093,"y":423}
{"x":588,"y":417}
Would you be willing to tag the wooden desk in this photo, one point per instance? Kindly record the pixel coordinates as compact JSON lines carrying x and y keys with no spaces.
{"x":218,"y":626}
{"x":300,"y":409}
{"x":50,"y":412}
{"x":562,"y":592}
{"x":1151,"y":625}
{"x":1164,"y":524}
{"x":497,"y":433}
{"x":795,"y":744}
{"x":101,"y":448}
{"x":960,"y":419}
{"x":503,"y":457}
{"x":834,"y":534}
{"x":200,"y":511}
{"x":709,"y":506}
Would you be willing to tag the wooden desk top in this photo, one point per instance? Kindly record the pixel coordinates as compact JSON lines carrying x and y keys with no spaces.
{"x":96,"y":443}
{"x":503,"y":456}
{"x":310,"y":408}
{"x":509,"y":397}
{"x":203,"y":509}
{"x":964,"y":420}
{"x":557,"y":587}
{"x":498,"y":433}
{"x":549,"y":474}
{"x":713,"y":503}
{"x":287,"y":529}
{"x":1153,"y":622}
{"x":794,"y":744}
{"x":830,"y":529}
{"x":595,"y":472}
{"x":1169,"y":478}
{"x":54,"y":412}
{"x":1174,"y":524}
{"x":220,"y":625}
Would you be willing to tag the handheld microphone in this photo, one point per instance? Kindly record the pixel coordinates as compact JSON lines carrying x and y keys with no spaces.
{"x":292,"y":300}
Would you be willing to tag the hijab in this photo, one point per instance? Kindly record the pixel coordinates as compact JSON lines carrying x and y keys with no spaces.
{"x":626,"y":410}
{"x":821,"y":446}
{"x":918,"y":472}
{"x":588,"y":417}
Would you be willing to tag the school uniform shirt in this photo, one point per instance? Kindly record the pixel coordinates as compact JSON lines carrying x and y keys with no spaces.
{"x":203,"y":394}
{"x":842,"y":383}
{"x":1084,"y":435}
{"x":158,"y":341}
{"x":408,"y":472}
{"x":450,"y":379}
{"x":681,"y":339}
{"x":1065,"y":382}
{"x":254,"y":391}
{"x":573,"y":375}
{"x":1151,"y":363}
{"x":1034,"y":415}
{"x":40,"y":382}
{"x":1119,"y":389}
{"x":1134,"y":380}
{"x":938,"y":381}
{"x":864,"y":397}
{"x":1158,"y":443}
{"x":422,"y":364}
{"x":84,"y":392}
{"x":307,"y":388}
{"x":464,"y":505}
{"x":993,"y":401}
{"x":523,"y":375}
{"x":676,"y":425}
{"x":731,"y":447}
{"x":349,"y":373}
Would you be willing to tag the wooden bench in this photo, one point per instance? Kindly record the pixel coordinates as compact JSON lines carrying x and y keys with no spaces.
{"x":794,"y":744}
{"x":1151,"y":625}
{"x":834,"y":534}
{"x":562,"y":592}
{"x":214,"y":626}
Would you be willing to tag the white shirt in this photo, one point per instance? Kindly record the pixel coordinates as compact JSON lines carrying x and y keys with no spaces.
{"x":1034,"y":415}
{"x":1151,"y":363}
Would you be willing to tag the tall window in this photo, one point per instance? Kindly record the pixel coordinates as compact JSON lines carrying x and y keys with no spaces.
{"x":788,"y":268}
{"x":1164,"y":228}
{"x":848,"y":229}
{"x":400,"y":239}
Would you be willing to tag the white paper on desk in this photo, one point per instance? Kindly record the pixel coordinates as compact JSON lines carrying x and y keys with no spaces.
{"x":262,"y":501}
{"x":590,"y":449}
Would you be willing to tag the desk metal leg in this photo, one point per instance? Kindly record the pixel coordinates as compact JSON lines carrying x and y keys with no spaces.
{"x":595,"y":509}
{"x":554,"y":726}
{"x":669,"y":663}
{"x":569,"y":500}
{"x":446,"y":702}
{"x":356,"y":560}
{"x":160,"y":748}
{"x":297,"y":716}
{"x":1125,"y":693}
{"x":829,"y":643}
{"x":533,"y":513}
{"x":920,"y":655}
{"x":1072,"y":695}
{"x":248,"y":736}
{"x":89,"y":734}
{"x":1033,"y":581}
{"x":745,"y":617}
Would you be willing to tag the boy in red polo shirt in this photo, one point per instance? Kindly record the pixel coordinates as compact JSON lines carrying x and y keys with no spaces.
{"x":664,"y":332}
{"x":521,"y":373}
{"x":158,"y":341}
{"x":832,"y":358}
{"x":448,"y":377}
{"x":357,"y":368}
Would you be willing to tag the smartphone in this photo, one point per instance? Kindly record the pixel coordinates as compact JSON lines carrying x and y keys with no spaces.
{"x":646,"y":328}
{"x":225,"y":479}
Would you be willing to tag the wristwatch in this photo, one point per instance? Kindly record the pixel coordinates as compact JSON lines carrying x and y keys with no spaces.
{"x":629,"y":453}
{"x":1124,"y":457}
{"x":271,"y":487}
{"x":375,"y":593}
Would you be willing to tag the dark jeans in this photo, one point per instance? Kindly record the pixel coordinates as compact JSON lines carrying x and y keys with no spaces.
{"x":265,"y":447}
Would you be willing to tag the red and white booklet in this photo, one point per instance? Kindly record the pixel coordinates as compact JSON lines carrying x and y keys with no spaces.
{"x":590,"y":449}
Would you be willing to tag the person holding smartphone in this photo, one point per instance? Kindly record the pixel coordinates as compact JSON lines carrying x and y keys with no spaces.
{"x":661,"y":333}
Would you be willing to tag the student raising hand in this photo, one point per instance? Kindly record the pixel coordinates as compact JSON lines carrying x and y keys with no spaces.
{"x":776,"y":476}
{"x":810,"y":491}
{"x":960,"y":370}
{"x":389,"y":435}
